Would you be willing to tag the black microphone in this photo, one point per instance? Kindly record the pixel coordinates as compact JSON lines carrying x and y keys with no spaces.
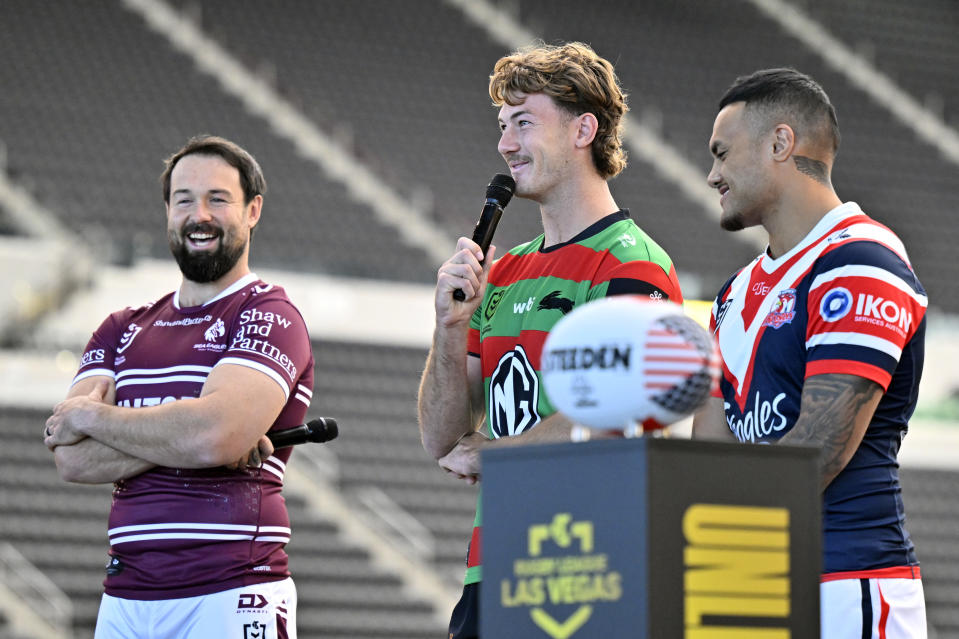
{"x":319,"y":430}
{"x":498,"y":194}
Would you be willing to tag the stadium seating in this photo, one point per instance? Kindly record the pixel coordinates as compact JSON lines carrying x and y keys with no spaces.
{"x":93,"y":118}
{"x":93,"y":100}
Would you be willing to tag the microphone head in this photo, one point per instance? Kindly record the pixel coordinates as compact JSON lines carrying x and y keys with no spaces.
{"x":500,"y":189}
{"x":323,"y":429}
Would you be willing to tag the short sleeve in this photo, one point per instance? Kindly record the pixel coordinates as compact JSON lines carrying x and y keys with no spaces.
{"x":865,"y":304}
{"x":638,"y":277}
{"x":269,"y":335}
{"x":100,"y":353}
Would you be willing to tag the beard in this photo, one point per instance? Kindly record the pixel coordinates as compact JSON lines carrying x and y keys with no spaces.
{"x":732,"y":222}
{"x":203,"y":267}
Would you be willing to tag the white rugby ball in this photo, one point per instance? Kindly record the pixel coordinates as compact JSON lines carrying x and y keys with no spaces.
{"x":627,"y":360}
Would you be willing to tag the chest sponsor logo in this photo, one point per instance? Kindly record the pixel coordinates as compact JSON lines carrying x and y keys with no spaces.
{"x":186,"y":321}
{"x":128,"y":336}
{"x":553,"y":301}
{"x":835,"y":304}
{"x":523,"y":307}
{"x":140,"y":402}
{"x":513,"y":395}
{"x":762,"y":419}
{"x":783,"y":310}
{"x":93,"y":356}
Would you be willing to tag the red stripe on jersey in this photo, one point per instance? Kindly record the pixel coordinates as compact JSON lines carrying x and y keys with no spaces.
{"x":893,"y":572}
{"x":531,"y":341}
{"x":849,"y":367}
{"x":574,"y":262}
{"x":473,"y":341}
{"x":578,"y":263}
{"x":473,"y":558}
{"x":877,"y":308}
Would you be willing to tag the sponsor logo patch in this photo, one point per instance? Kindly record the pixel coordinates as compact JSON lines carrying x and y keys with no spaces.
{"x":835,"y":304}
{"x":93,"y":356}
{"x":513,"y":395}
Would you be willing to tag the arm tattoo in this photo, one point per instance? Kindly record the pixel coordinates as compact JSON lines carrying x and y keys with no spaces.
{"x":813,"y":168}
{"x":835,"y":412}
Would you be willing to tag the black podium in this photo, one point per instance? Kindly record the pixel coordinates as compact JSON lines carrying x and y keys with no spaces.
{"x":650,"y":538}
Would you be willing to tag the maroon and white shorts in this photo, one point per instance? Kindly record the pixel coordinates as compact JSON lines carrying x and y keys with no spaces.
{"x":261,"y":611}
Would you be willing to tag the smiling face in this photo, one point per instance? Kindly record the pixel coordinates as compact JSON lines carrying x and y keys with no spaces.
{"x":537,"y":141}
{"x":208,"y":223}
{"x":740,"y":173}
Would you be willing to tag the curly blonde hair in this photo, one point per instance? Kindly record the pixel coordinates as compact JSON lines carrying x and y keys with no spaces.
{"x":579,"y":81}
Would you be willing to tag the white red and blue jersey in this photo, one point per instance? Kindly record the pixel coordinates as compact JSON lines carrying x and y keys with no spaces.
{"x":180,"y":533}
{"x":844,"y":300}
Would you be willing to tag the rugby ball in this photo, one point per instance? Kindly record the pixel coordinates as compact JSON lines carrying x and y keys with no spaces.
{"x":625,"y":361}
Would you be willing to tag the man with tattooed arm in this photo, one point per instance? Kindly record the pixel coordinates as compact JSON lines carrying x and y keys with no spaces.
{"x":821,"y":339}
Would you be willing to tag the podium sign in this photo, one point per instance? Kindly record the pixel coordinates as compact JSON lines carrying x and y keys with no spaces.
{"x":650,"y":538}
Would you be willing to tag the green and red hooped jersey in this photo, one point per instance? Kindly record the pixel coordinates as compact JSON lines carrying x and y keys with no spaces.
{"x":529,"y":290}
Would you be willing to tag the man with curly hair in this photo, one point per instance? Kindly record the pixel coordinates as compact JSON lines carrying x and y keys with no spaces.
{"x":561,"y":114}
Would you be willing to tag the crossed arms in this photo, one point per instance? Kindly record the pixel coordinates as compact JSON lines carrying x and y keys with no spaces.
{"x":94,"y":441}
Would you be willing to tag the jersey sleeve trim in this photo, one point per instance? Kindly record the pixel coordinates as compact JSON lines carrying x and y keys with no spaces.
{"x":303,"y":394}
{"x":105,"y":372}
{"x":849,"y":367}
{"x":856,"y":339}
{"x":860,"y":270}
{"x":266,"y":370}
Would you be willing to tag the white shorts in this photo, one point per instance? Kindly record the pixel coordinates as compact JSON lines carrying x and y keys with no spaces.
{"x":888,"y":607}
{"x":261,"y":611}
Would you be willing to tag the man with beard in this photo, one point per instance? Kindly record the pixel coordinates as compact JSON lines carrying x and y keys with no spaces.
{"x":198,"y":523}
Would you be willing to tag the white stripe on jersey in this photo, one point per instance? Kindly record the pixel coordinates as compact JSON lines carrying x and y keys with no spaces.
{"x":881,"y":235}
{"x":736,"y":357}
{"x":303,"y":399}
{"x":106,"y":372}
{"x":210,"y":536}
{"x":186,"y":368}
{"x":263,"y":368}
{"x":856,"y":339}
{"x":219,"y":532}
{"x":141,"y":381}
{"x":134,"y":528}
{"x":274,"y":466}
{"x":276,"y":461}
{"x":303,"y":389}
{"x":873,"y":272}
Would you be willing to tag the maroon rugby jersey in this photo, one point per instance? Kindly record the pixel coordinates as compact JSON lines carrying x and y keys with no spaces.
{"x":179,"y":532}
